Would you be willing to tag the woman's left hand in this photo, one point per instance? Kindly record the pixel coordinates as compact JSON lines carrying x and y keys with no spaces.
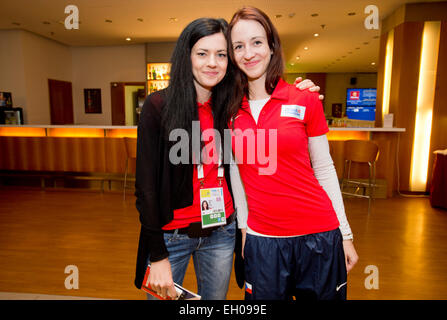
{"x":351,"y":256}
{"x":307,"y":84}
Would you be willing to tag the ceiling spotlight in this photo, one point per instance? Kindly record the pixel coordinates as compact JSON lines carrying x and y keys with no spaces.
{"x":292,"y":64}
{"x":297,"y":57}
{"x":316,"y":34}
{"x":277,"y":16}
{"x":351,"y":13}
{"x":314,"y":15}
{"x":108,"y":21}
{"x":373,"y":63}
{"x":140,"y":19}
{"x":128,"y":39}
{"x":306,"y":48}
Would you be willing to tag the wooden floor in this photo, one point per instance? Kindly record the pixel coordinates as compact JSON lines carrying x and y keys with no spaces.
{"x":42,"y":232}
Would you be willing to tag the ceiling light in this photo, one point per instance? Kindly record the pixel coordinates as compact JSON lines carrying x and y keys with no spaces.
{"x":128,"y":39}
{"x":373,"y":63}
{"x":291,"y":15}
{"x":108,"y":21}
{"x":277,"y":16}
{"x":306,"y":48}
{"x":351,"y":13}
{"x":365,"y":43}
{"x":314,"y":15}
{"x":316,"y":34}
{"x":173,"y":19}
{"x":140,"y":19}
{"x":297,"y":57}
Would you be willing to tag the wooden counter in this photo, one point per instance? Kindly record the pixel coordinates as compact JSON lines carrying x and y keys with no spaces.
{"x":101,"y":149}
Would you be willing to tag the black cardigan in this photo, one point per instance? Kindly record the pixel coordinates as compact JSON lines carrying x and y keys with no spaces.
{"x":160,"y":186}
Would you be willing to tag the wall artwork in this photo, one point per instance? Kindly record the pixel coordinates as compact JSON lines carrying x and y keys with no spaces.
{"x":92,"y":100}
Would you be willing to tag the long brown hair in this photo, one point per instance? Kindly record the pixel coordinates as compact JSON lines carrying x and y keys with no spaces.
{"x":275,"y":68}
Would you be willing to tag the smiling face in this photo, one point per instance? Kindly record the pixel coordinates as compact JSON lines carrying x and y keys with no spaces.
{"x":251,"y":51}
{"x":209,"y":60}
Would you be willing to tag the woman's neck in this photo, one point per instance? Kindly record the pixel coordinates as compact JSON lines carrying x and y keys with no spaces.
{"x":256,"y":89}
{"x":203,"y":94}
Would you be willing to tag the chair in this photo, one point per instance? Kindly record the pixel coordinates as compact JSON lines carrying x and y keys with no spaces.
{"x":131,"y":154}
{"x":360,"y":151}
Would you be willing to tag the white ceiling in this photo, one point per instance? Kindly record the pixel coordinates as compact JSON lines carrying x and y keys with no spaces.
{"x":344,"y":44}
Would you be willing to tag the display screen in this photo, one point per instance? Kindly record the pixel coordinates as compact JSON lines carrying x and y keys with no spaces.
{"x":361,"y":97}
{"x":361,"y":104}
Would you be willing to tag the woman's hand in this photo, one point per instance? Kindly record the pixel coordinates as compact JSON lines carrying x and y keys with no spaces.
{"x":351,"y":256}
{"x":160,"y":279}
{"x":244,"y":236}
{"x":307,"y":84}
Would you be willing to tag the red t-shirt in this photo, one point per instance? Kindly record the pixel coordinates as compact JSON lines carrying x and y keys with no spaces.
{"x":185,"y":216}
{"x":287,"y":201}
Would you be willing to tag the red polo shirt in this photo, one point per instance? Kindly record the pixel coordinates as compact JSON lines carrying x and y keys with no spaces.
{"x":287,"y":201}
{"x":185,"y":216}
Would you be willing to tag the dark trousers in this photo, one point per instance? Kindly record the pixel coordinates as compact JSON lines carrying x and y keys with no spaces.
{"x":307,"y":267}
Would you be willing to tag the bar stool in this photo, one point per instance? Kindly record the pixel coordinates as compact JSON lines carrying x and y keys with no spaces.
{"x":360,"y":151}
{"x":131,"y":154}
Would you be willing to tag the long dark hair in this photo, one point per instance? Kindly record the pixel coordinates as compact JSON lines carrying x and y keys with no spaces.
{"x":275,"y":69}
{"x":181,"y":97}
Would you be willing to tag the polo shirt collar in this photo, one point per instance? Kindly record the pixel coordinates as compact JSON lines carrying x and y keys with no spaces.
{"x":281,"y":92}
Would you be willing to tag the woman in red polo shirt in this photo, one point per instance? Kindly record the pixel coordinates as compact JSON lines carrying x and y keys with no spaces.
{"x":298,"y":240}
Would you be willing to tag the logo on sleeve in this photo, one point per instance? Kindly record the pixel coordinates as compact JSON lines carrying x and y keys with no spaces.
{"x":293,"y":111}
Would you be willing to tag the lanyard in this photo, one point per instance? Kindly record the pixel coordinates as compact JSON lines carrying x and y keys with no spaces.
{"x":220,"y":171}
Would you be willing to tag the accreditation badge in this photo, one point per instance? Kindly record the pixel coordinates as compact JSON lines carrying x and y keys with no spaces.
{"x":212,"y":207}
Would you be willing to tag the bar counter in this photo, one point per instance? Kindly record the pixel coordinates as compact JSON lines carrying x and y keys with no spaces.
{"x":101,"y":149}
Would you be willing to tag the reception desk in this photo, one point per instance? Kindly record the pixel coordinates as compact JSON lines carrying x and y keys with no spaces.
{"x":101,"y":149}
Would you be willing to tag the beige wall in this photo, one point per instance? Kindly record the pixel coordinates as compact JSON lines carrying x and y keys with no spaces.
{"x":12,"y":72}
{"x":27,"y":61}
{"x":43,"y":59}
{"x":97,"y":67}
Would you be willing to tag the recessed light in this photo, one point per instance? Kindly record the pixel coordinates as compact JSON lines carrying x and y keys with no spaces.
{"x":314,"y":15}
{"x":128,"y":39}
{"x":292,"y":64}
{"x":316,"y":34}
{"x":277,"y":16}
{"x":350,"y":52}
{"x":365,"y":43}
{"x":357,"y":48}
{"x":140,"y":19}
{"x":173,"y":19}
{"x":306,"y":48}
{"x":297,"y":57}
{"x":351,"y":13}
{"x":108,"y":21}
{"x":373,"y":63}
